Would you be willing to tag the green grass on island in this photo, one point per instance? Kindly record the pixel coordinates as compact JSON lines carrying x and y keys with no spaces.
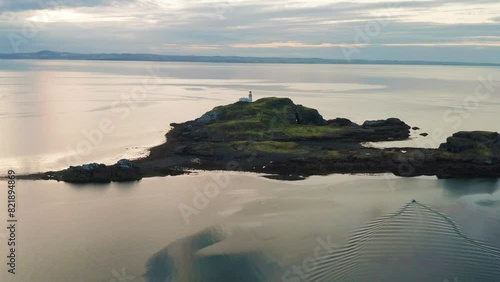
{"x":269,"y":119}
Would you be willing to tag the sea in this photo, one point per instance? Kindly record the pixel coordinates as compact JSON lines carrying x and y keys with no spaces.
{"x":214,"y":226}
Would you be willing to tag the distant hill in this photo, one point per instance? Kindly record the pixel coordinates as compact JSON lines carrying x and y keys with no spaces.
{"x":51,"y":55}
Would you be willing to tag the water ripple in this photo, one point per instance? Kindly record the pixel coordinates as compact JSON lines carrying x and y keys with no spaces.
{"x":417,"y":243}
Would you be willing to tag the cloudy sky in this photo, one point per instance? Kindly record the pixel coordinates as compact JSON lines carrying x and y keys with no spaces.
{"x":440,"y":30}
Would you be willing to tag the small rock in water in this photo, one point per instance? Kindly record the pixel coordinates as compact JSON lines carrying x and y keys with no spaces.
{"x":424,"y":134}
{"x":416,"y":128}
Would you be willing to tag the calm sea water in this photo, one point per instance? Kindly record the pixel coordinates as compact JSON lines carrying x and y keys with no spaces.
{"x":336,"y":228}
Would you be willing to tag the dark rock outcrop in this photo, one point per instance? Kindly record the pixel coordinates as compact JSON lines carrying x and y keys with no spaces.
{"x":122,"y":171}
{"x":308,"y":116}
{"x":208,"y":118}
{"x":389,"y":129}
{"x":480,"y":142}
{"x":339,"y":122}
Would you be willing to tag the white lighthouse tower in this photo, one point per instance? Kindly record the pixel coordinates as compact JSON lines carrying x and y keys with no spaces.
{"x":249,"y":99}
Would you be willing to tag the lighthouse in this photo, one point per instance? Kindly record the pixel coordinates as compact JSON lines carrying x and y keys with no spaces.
{"x":249,"y":99}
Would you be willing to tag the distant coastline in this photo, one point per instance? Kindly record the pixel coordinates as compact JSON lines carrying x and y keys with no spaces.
{"x":51,"y":55}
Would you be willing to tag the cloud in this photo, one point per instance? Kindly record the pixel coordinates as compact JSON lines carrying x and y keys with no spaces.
{"x":361,"y":45}
{"x":448,"y":44}
{"x":66,"y":16}
{"x":189,"y":47}
{"x":264,"y":28}
{"x":12,"y":6}
{"x":289,"y":44}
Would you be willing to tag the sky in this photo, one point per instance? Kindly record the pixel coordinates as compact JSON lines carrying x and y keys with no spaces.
{"x":440,"y":30}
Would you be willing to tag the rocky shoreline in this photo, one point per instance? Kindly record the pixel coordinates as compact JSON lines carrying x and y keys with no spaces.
{"x":283,"y":140}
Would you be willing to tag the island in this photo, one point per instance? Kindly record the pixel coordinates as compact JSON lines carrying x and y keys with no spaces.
{"x":282,"y":140}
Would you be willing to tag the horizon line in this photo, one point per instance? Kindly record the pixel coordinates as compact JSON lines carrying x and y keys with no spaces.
{"x":56,"y":55}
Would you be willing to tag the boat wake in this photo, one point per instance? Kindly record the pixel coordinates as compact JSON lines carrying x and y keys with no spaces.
{"x":418,"y":243}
